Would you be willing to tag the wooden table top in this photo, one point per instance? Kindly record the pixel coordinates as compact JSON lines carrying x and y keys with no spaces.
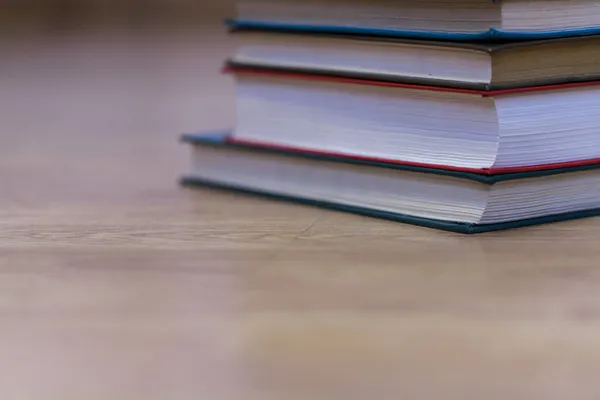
{"x":117,"y":284}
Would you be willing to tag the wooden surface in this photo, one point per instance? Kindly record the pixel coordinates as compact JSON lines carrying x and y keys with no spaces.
{"x":117,"y":284}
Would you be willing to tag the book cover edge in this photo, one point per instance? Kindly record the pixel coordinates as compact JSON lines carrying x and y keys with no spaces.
{"x":455,"y":227}
{"x":494,"y":34}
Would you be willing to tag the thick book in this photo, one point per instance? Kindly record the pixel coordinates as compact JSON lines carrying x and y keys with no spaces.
{"x":486,"y":66}
{"x":432,"y":19}
{"x":480,"y":131}
{"x":435,"y":198}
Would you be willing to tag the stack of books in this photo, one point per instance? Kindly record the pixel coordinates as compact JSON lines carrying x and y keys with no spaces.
{"x":462,"y":115}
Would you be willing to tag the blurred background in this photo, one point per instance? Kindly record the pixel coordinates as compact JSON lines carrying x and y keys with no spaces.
{"x":87,"y":81}
{"x":93,"y":97}
{"x":74,"y":14}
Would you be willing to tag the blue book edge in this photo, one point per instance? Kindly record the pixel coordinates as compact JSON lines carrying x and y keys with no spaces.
{"x":490,"y":35}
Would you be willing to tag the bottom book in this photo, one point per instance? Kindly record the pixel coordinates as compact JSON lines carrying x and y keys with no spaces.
{"x":435,"y":198}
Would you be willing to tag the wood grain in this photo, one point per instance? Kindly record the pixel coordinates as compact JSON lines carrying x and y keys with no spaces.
{"x":117,"y":284}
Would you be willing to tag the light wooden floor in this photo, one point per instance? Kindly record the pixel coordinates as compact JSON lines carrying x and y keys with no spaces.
{"x":117,"y":284}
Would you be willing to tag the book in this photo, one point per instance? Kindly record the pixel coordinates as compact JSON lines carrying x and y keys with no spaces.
{"x":434,"y":19}
{"x":435,"y":198}
{"x":463,"y":129}
{"x":486,"y":66}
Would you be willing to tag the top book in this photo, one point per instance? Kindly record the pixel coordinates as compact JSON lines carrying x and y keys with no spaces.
{"x":431,"y":19}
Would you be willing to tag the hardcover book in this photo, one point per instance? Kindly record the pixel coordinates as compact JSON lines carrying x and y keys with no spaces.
{"x":485,"y":66}
{"x":448,"y":200}
{"x":540,"y":127}
{"x":432,"y":19}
